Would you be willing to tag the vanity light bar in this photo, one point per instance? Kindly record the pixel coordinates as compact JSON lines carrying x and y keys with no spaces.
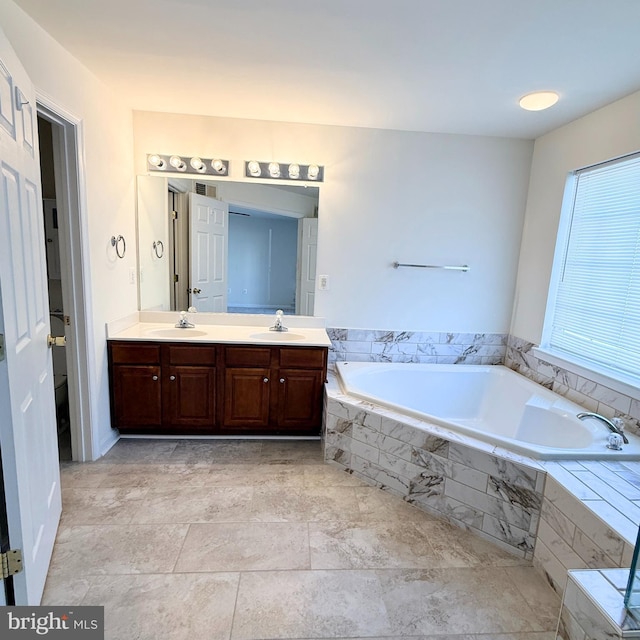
{"x":194,"y":165}
{"x":283,"y":171}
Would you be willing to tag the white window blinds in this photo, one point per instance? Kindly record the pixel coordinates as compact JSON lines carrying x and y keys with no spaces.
{"x":597,"y":306}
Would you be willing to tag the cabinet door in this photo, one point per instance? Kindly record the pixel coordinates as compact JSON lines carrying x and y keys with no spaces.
{"x":190,"y":398}
{"x":299,"y":399}
{"x":137,"y":397}
{"x":246,"y":398}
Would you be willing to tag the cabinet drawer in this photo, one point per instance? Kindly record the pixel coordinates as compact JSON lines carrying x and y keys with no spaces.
{"x":134,"y":353}
{"x":247,"y":356}
{"x":191,"y":354}
{"x":300,"y":357}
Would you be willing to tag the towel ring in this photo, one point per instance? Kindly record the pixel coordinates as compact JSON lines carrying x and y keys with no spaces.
{"x":158,"y":248}
{"x":115,"y":242}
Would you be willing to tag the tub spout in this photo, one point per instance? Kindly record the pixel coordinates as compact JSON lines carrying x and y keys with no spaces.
{"x":608,"y":423}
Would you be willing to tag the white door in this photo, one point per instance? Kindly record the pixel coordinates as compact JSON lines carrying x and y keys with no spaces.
{"x":307,"y":253}
{"x":208,"y":245}
{"x":28,"y":426}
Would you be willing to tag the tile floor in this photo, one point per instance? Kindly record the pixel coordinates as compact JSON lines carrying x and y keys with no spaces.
{"x":238,"y":540}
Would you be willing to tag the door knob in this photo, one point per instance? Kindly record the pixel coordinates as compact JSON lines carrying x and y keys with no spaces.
{"x":197,"y":291}
{"x":154,"y":378}
{"x":172,"y":378}
{"x":265,"y":380}
{"x":281,"y":380}
{"x":56,"y":341}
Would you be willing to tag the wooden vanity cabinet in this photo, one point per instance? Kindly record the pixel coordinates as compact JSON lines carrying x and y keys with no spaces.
{"x":182,"y":388}
{"x":281,"y":396}
{"x":136,"y":387}
{"x":162,"y":388}
{"x":189,"y":388}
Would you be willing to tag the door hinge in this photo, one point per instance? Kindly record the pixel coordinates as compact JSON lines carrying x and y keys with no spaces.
{"x":175,"y":277}
{"x":11,"y":563}
{"x":174,"y":215}
{"x":1,"y":347}
{"x":67,"y":321}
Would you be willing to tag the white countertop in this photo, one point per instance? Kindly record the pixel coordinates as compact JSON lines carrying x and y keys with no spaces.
{"x":214,"y":333}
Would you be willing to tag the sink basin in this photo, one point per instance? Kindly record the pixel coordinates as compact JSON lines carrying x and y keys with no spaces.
{"x":176,"y":333}
{"x":277,"y":336}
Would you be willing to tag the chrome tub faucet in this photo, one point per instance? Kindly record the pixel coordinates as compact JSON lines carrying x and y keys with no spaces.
{"x":615,"y":426}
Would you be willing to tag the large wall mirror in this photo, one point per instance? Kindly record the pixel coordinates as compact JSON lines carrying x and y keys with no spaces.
{"x":226,"y":246}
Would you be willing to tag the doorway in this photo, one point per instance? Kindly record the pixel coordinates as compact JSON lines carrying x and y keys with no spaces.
{"x":57,"y":316}
{"x":58,"y":139}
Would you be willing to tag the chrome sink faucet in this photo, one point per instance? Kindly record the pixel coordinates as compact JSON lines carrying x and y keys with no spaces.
{"x":278,"y":326}
{"x":615,"y":426}
{"x":183,"y":322}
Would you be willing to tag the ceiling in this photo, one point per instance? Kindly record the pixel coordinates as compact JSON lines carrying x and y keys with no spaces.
{"x":453,"y":66}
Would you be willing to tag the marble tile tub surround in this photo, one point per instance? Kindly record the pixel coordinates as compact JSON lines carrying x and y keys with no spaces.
{"x":587,"y":393}
{"x":373,"y":345}
{"x":585,"y":515}
{"x":593,"y":607}
{"x":589,"y":520}
{"x":476,"y":486}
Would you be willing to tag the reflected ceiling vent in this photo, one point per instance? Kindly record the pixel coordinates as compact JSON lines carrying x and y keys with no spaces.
{"x":208,"y":190}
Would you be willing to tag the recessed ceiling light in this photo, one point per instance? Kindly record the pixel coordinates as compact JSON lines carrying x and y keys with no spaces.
{"x":538,"y":100}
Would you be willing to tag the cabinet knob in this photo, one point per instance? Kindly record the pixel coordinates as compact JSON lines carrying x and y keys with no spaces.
{"x":154,"y":378}
{"x":172,"y":378}
{"x":265,"y":379}
{"x":281,"y":380}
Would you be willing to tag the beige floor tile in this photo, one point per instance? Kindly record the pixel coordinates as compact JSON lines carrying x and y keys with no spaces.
{"x":309,"y":604}
{"x":541,"y":635}
{"x":216,"y":452}
{"x":195,"y":504}
{"x":101,"y":506}
{"x":378,"y":505}
{"x":292,"y":452}
{"x":456,"y":601}
{"x":376,"y":545}
{"x":305,"y":504}
{"x":319,"y":476}
{"x":158,"y":475}
{"x":65,"y":590}
{"x":138,"y":451}
{"x":458,"y":548}
{"x":537,"y":592}
{"x":114,"y":549}
{"x":76,"y":475}
{"x":176,"y":607}
{"x":261,"y":546}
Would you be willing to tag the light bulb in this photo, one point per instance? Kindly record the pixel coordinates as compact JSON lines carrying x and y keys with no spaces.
{"x":178,"y":163}
{"x":218,"y":165}
{"x":313,"y":171}
{"x":254,"y":168}
{"x":274,"y":169}
{"x":197,"y":164}
{"x":156,"y":161}
{"x":294,"y":171}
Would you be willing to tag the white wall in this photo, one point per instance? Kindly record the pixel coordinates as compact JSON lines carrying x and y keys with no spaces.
{"x":387,"y":195}
{"x":108,"y":199}
{"x":604,"y":134}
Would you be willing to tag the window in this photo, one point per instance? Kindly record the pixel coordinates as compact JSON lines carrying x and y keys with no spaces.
{"x":593,"y":312}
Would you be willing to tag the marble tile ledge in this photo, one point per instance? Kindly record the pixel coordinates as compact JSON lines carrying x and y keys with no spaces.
{"x":610,"y":490}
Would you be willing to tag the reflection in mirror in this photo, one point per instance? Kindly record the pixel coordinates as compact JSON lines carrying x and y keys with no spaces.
{"x":226,"y":246}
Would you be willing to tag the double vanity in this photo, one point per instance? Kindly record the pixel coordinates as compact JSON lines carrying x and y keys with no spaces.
{"x":228,"y":376}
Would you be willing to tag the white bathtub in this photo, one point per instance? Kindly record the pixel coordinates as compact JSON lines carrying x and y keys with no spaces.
{"x":490,"y":403}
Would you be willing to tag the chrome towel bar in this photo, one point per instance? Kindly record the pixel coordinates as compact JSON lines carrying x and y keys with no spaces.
{"x":463,"y":267}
